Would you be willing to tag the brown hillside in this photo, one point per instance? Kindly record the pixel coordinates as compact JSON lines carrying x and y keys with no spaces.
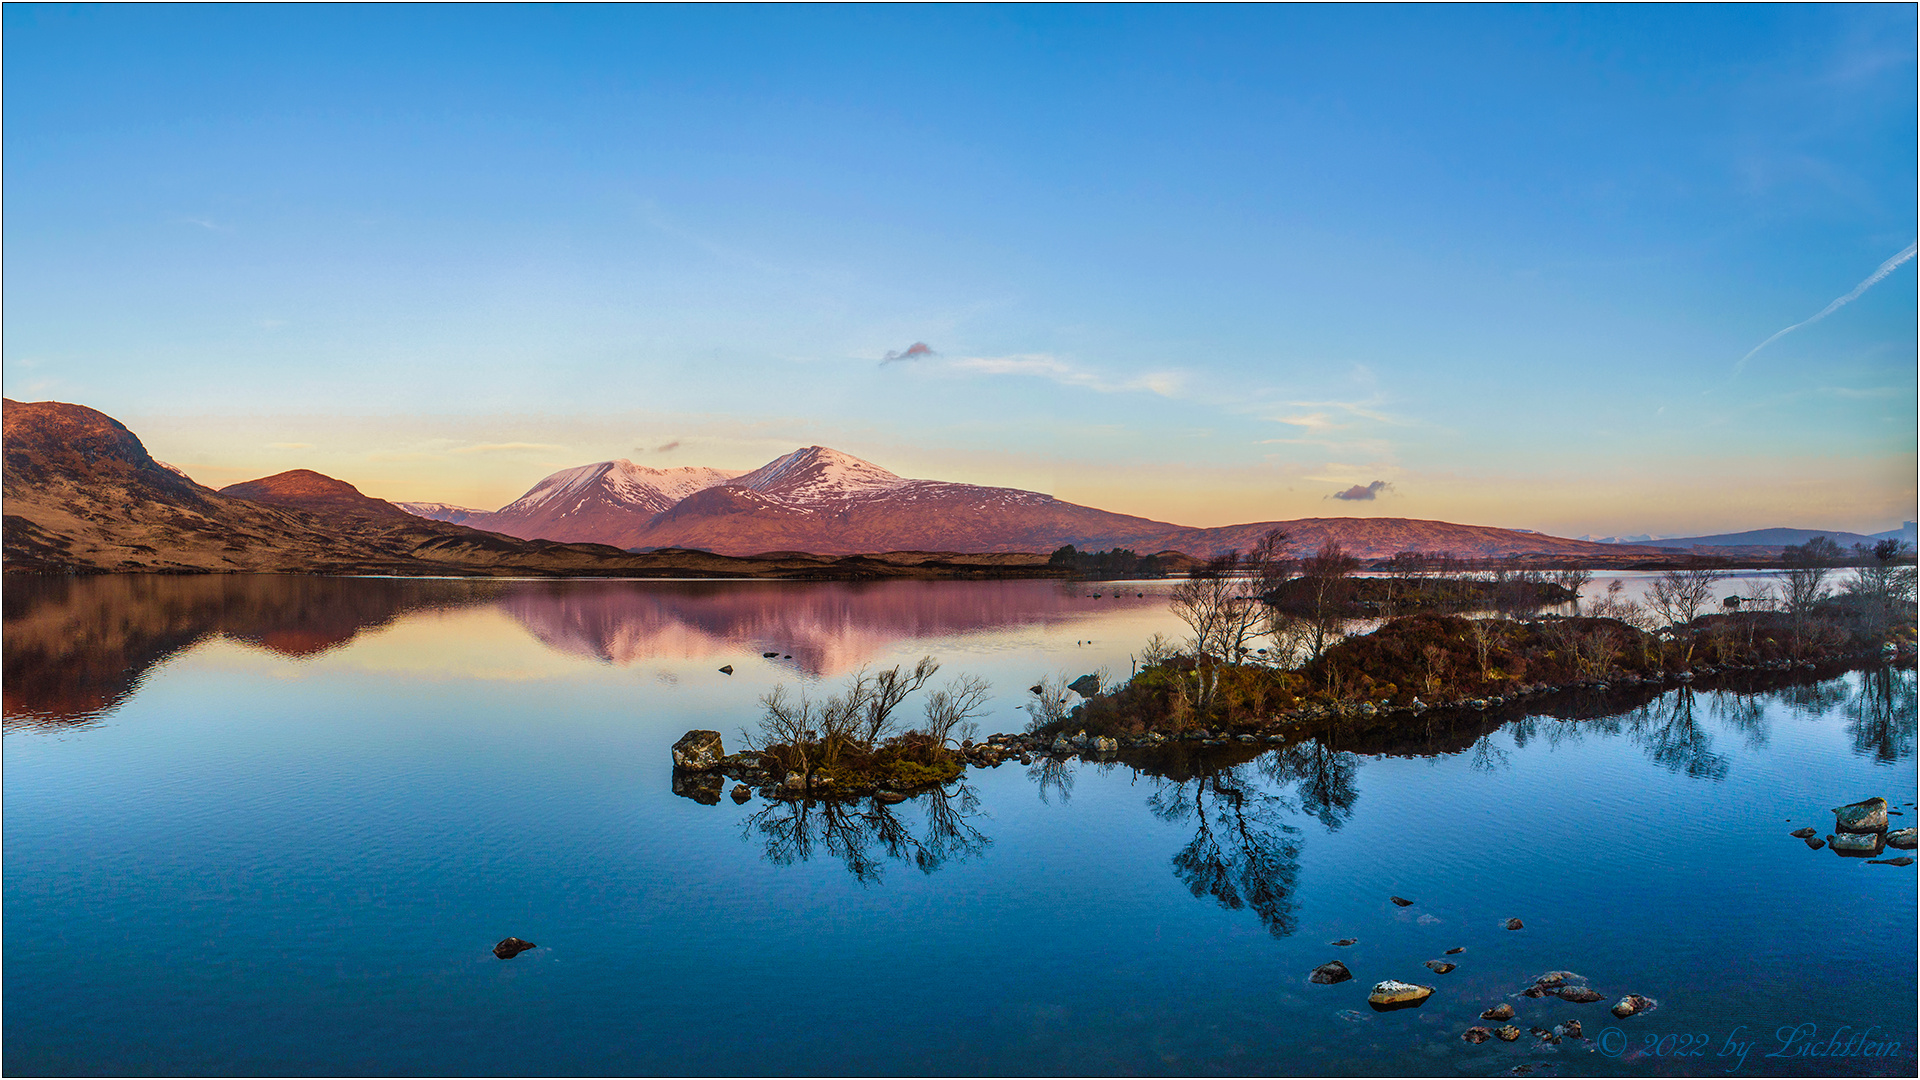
{"x":304,"y":489}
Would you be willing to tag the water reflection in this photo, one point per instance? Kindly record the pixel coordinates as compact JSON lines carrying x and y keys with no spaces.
{"x":1244,"y":853}
{"x":865,"y":834}
{"x":1880,"y":715}
{"x":76,"y":648}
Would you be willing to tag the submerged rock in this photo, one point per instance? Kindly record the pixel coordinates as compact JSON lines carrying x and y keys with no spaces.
{"x":1394,"y":994}
{"x":1508,"y":1033}
{"x":1579,"y":995}
{"x":1515,"y":924}
{"x":1502,"y":1011}
{"x":1333,"y":971}
{"x":1476,"y":1034}
{"x":1814,"y":842}
{"x":1346,"y":941}
{"x":1865,"y":816}
{"x":1558,"y":978}
{"x":1456,"y":950}
{"x":1440,"y":967}
{"x":512,"y":947}
{"x":1428,"y":920}
{"x":1571,"y":1029}
{"x":1401,"y":901}
{"x":1901,"y":838}
{"x":1803,"y":833}
{"x":1631,"y":1005}
{"x":1898,"y":860}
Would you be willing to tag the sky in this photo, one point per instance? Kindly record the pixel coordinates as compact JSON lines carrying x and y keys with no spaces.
{"x":1504,"y":266}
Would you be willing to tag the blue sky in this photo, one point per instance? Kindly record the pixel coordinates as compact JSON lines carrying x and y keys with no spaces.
{"x":1205,"y":264}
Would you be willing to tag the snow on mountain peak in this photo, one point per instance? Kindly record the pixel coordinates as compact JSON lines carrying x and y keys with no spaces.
{"x":818,"y":472}
{"x":623,"y":481}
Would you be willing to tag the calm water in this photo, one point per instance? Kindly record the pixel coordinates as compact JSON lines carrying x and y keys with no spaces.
{"x":275,"y":826}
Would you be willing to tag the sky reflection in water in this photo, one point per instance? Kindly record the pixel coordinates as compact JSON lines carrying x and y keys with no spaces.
{"x":246,"y":815}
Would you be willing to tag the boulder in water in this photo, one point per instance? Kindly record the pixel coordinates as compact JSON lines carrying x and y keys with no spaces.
{"x":1857,"y":845}
{"x":1394,"y":994}
{"x":1476,"y":1034}
{"x":1333,"y":971}
{"x":1401,"y":901}
{"x":1865,"y":816}
{"x":1901,"y":838}
{"x":1502,"y":1011}
{"x":1631,"y":1005}
{"x":1898,"y":860}
{"x":1440,"y":967}
{"x":1515,"y":924}
{"x":512,"y":947}
{"x":698,"y":751}
{"x":1086,"y":685}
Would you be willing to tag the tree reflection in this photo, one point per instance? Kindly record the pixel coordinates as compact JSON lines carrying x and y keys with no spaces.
{"x":1880,"y":715}
{"x":1243,"y":853}
{"x":864,"y":834}
{"x":1052,"y":774}
{"x":1671,"y":733}
{"x":1325,"y":778}
{"x":1745,"y":713}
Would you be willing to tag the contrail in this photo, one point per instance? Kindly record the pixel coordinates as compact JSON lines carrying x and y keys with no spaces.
{"x":1873,"y":279}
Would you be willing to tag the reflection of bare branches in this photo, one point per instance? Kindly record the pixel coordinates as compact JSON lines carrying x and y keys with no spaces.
{"x":1487,"y":757}
{"x":1880,"y":715}
{"x":1055,"y":773}
{"x":793,"y":831}
{"x":1674,"y":739}
{"x":1325,"y":777}
{"x":1741,"y":712}
{"x":1243,"y":853}
{"x":1813,"y":699}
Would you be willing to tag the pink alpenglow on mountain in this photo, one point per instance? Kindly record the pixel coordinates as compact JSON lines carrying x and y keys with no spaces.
{"x":828,"y":502}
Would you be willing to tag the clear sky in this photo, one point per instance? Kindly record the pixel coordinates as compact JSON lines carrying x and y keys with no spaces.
{"x":1219,"y":264}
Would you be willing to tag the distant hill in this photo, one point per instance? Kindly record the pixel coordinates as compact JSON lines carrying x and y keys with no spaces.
{"x":1770,"y":538}
{"x":304,"y":489}
{"x":438,"y":511}
{"x":84,"y":496}
{"x":822,"y":500}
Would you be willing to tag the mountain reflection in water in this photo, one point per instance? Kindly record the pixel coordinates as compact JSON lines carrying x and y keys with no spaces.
{"x":76,"y":648}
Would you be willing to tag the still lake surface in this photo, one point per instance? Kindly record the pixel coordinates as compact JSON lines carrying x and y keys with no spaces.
{"x":275,"y":825}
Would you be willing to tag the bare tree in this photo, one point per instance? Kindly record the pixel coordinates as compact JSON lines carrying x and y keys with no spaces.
{"x":1808,"y":567}
{"x":1678,"y":596}
{"x":1047,"y":704}
{"x":1573,"y":579}
{"x":889,"y":688}
{"x":1882,"y":586}
{"x":952,"y":708}
{"x":1328,"y":575}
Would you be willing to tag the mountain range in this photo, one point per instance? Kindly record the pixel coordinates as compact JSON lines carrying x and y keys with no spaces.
{"x":824,"y":501}
{"x":84,"y":496}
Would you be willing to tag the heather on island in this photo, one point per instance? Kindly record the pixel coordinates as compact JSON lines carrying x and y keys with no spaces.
{"x":1276,"y":640}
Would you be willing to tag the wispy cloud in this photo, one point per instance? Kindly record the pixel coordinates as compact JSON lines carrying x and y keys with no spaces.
{"x":665,"y":447}
{"x":505,"y":447}
{"x":1873,"y":279}
{"x":1045,"y":366}
{"x":207,"y":224}
{"x":1366,"y":493}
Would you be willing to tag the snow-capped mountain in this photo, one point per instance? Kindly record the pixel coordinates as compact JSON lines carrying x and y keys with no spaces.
{"x":823,"y":501}
{"x":439,"y":511}
{"x":591,"y":502}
